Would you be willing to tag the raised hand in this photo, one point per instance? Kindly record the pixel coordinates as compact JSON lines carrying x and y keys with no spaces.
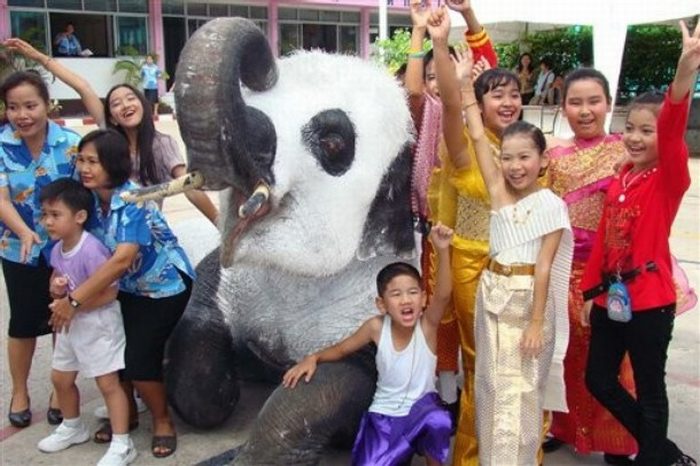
{"x":689,"y":61}
{"x":420,"y":12}
{"x":459,"y":5}
{"x":441,"y":236}
{"x":25,"y":49}
{"x":464,"y":64}
{"x":479,"y":67}
{"x":439,"y":25}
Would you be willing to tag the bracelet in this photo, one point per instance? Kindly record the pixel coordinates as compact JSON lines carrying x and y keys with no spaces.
{"x":420,"y":54}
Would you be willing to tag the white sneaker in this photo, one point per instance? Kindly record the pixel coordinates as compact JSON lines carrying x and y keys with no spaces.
{"x":63,"y":437}
{"x":119,"y":454}
{"x":102,"y":413}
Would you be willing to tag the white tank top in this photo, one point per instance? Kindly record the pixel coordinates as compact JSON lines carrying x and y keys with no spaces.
{"x":404,"y":376}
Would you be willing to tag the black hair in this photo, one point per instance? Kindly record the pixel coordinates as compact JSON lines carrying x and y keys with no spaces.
{"x":583,"y":74}
{"x":146,"y":132}
{"x":492,"y":79}
{"x":113,"y":151}
{"x":393,"y":270}
{"x":69,"y":191}
{"x":529,"y":130}
{"x":546,"y":61}
{"x":651,"y":101}
{"x":429,"y":56}
{"x":530,"y":66}
{"x":24,"y":77}
{"x":401,"y":70}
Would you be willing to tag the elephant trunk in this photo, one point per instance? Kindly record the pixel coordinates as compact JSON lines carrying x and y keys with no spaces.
{"x":230,"y":143}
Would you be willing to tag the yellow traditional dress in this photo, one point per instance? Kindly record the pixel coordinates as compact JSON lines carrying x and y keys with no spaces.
{"x":459,"y":199}
{"x":512,"y":390}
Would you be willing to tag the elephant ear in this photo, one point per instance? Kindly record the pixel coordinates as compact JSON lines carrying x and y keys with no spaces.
{"x":388,"y":230}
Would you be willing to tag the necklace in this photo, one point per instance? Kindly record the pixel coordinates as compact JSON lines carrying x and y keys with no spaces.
{"x":627,"y":182}
{"x":520,"y":218}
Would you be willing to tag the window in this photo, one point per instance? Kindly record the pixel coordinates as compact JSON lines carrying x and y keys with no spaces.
{"x":132,"y":35}
{"x":30,"y":26}
{"x":348,"y":39}
{"x":216,"y":10}
{"x":197,"y":9}
{"x":173,"y":7}
{"x":258,"y":12}
{"x":32,"y":3}
{"x":100,"y":5}
{"x":133,"y":6}
{"x":290,"y":38}
{"x":64,"y":4}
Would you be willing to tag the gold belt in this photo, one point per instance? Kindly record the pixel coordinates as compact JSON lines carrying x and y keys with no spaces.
{"x":508,"y":270}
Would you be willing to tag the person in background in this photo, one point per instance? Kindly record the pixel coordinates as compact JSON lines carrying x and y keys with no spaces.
{"x":150,"y":74}
{"x":67,"y":44}
{"x":526,"y":74}
{"x":544,"y":81}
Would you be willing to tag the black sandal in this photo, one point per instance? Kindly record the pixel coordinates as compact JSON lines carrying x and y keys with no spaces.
{"x":167,"y":442}
{"x":104,"y":433}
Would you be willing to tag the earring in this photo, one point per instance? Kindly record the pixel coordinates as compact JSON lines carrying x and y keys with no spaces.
{"x":543,"y":171}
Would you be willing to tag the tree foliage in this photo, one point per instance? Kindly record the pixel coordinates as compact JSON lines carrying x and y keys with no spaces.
{"x":393,"y":52}
{"x":651,"y":53}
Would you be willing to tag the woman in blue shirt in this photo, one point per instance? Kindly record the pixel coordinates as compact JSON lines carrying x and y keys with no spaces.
{"x":155,"y":276}
{"x":33,"y":152}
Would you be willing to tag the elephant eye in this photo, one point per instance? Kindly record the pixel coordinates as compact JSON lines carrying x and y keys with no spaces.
{"x":330,"y":136}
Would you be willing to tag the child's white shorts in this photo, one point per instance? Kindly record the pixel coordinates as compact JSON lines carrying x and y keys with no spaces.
{"x":94,"y":344}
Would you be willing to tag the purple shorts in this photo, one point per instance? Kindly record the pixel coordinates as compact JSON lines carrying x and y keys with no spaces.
{"x":392,"y":440}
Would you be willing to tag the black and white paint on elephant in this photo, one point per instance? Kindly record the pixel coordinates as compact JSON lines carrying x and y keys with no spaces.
{"x":328,"y":135}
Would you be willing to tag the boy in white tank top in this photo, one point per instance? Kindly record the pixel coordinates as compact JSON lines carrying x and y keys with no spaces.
{"x":406,"y":416}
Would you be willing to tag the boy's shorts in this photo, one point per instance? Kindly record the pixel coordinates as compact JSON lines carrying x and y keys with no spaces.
{"x":94,"y":344}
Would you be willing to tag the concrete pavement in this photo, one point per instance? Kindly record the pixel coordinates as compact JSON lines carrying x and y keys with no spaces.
{"x":18,"y":447}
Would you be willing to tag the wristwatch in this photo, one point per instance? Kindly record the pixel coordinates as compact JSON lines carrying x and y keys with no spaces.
{"x":74,"y":303}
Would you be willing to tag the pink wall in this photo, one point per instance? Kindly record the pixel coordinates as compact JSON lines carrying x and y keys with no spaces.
{"x":5,"y":29}
{"x":155,"y":32}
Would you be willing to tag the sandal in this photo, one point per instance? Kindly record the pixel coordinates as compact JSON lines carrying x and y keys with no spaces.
{"x":166,"y":443}
{"x":104,"y":433}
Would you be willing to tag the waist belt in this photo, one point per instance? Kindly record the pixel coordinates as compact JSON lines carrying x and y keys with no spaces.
{"x":508,"y":270}
{"x":609,"y":279}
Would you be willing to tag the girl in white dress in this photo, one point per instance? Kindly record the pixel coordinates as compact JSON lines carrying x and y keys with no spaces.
{"x":521,"y":312}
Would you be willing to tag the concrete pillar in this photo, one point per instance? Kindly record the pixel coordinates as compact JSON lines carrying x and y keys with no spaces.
{"x":5,"y":29}
{"x":155,"y":33}
{"x":273,"y":26}
{"x":364,"y":33}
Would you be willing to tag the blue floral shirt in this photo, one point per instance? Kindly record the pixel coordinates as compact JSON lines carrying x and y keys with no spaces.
{"x":154,"y":273}
{"x":24,"y":177}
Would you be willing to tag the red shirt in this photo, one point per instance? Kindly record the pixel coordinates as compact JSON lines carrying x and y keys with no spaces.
{"x":636,"y":222}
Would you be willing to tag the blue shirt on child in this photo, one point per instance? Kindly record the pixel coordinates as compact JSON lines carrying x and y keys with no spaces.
{"x":154,"y":272}
{"x":24,"y":176}
{"x":149,"y":76}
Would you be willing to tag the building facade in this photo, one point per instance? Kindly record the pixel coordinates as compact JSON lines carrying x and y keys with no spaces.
{"x":113,"y":28}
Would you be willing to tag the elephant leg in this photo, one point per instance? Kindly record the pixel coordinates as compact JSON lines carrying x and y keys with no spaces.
{"x":200,"y":374}
{"x":296,"y":424}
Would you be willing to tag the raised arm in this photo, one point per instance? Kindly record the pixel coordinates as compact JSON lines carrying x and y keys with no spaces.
{"x":489,"y":170}
{"x":688,"y":64}
{"x":90,"y":99}
{"x":414,"y":67}
{"x":441,"y":236}
{"x":532,"y":340}
{"x":448,"y":85}
{"x":368,"y":332}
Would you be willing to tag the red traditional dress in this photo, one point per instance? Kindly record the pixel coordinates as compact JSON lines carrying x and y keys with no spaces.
{"x":581,"y":175}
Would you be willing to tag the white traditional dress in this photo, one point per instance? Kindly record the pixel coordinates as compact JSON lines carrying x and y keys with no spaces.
{"x":511,"y":390}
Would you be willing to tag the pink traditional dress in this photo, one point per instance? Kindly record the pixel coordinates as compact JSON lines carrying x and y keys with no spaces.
{"x":581,"y":174}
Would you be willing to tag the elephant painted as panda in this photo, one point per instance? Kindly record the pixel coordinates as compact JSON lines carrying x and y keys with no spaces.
{"x":311,"y":153}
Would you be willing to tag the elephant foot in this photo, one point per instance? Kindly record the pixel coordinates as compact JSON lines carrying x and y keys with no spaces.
{"x":295,"y":425}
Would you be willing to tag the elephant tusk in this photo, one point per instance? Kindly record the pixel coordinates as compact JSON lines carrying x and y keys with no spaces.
{"x":194,"y":180}
{"x":255,"y":201}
